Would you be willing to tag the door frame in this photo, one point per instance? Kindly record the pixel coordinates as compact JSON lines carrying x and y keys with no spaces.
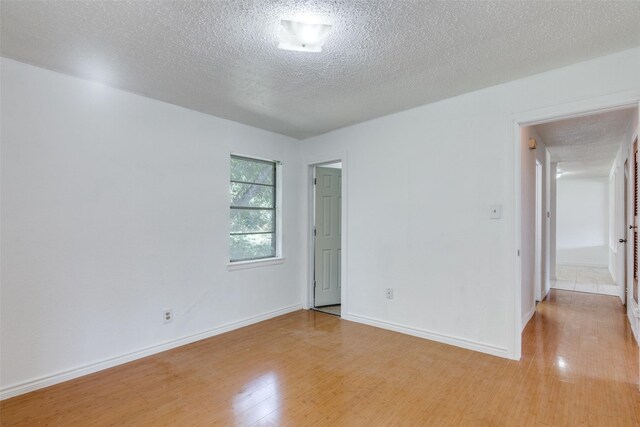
{"x":601,"y":104}
{"x":626,"y":211}
{"x":310,"y":165}
{"x":632,"y":277}
{"x":538,"y":252}
{"x":318,"y":283}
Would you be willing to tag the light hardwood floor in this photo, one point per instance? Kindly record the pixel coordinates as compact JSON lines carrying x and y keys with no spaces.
{"x":579,"y":367}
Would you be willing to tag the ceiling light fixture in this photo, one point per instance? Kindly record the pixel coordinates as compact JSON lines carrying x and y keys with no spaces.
{"x":302,"y":37}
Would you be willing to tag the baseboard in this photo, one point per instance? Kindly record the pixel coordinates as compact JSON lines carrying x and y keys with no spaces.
{"x":433,"y":336}
{"x":546,"y":293}
{"x":527,"y":317}
{"x":48,"y":380}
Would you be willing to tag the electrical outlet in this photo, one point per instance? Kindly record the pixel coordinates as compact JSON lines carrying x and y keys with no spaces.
{"x":389,"y":293}
{"x":167,"y":315}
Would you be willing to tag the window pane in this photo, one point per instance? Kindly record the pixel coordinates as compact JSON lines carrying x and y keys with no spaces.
{"x":252,"y":171}
{"x":248,"y":195}
{"x":252,"y":221}
{"x":253,"y":215}
{"x":252,"y":246}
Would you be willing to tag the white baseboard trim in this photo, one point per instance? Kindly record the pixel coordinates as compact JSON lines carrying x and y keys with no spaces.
{"x":527,"y":317}
{"x":48,"y":380}
{"x":546,"y":293}
{"x":433,"y":336}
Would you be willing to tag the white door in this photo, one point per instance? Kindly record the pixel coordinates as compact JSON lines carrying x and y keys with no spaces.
{"x":327,"y":236}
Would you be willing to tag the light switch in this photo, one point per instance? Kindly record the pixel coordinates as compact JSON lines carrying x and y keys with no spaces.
{"x":495,"y":211}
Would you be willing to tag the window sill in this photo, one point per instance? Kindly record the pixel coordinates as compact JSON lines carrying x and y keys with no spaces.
{"x":242,"y":265}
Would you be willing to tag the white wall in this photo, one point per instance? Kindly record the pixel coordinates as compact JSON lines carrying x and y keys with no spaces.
{"x":553,"y":171}
{"x":549,"y":265}
{"x":617,"y":251}
{"x":614,"y":205}
{"x":582,"y":221}
{"x":611,"y":194}
{"x":528,"y":160}
{"x":114,"y":208}
{"x":419,"y":186}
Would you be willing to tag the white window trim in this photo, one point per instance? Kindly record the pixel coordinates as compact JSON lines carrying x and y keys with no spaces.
{"x":278,"y":258}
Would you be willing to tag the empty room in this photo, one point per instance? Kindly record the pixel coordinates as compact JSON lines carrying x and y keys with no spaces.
{"x":328,"y":212}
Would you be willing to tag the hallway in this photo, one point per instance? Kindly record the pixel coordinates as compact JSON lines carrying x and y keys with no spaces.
{"x":594,"y":280}
{"x":581,"y":348}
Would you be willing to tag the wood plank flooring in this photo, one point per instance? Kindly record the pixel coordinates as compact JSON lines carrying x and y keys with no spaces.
{"x":579,"y":367}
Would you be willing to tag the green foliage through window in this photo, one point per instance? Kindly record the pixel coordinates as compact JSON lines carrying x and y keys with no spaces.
{"x":253,"y":209}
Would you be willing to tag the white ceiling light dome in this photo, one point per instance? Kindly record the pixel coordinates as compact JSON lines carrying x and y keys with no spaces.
{"x":302,"y":37}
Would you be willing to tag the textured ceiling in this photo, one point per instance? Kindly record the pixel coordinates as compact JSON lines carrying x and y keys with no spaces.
{"x":220,"y":57}
{"x":587,"y":145}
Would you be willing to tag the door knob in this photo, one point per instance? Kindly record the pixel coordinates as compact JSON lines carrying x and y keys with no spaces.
{"x":622,"y":240}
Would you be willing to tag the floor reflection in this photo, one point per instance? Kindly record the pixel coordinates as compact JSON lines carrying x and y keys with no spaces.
{"x":579,"y":367}
{"x":259,"y":399}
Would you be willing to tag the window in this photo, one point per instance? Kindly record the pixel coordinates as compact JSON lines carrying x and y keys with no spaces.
{"x":253,"y":209}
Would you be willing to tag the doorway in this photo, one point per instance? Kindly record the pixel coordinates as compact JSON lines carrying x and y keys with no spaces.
{"x":588,"y":152}
{"x":525,"y":200}
{"x":327,"y":237}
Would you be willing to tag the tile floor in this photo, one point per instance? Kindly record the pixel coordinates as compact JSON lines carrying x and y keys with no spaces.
{"x":593,"y":280}
{"x":330,"y":309}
